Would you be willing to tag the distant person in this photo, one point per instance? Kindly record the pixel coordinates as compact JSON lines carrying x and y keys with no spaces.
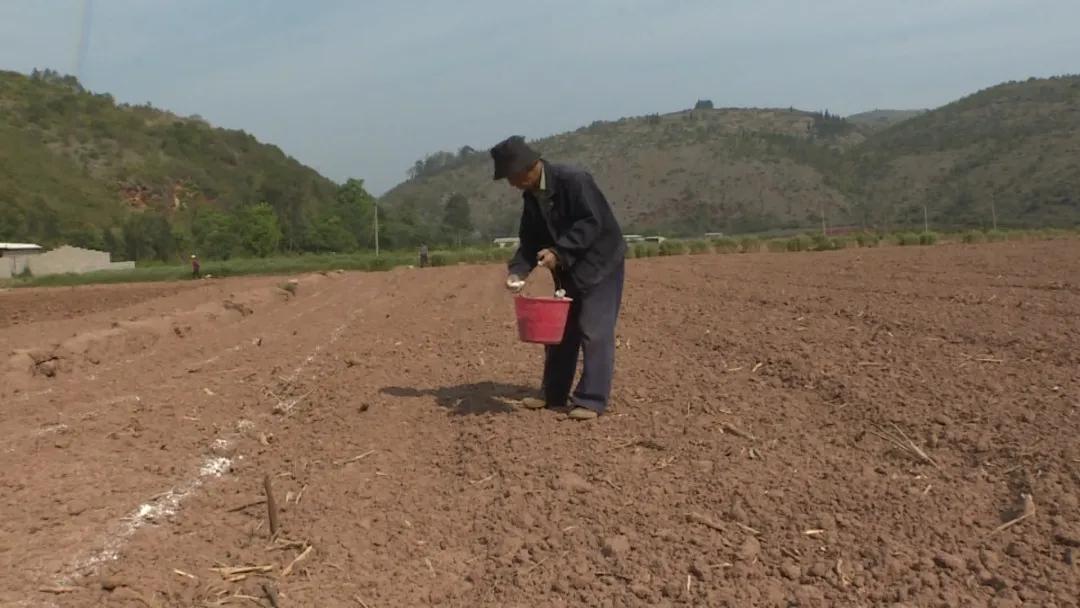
{"x":423,"y":256}
{"x":568,"y":227}
{"x":195,"y":268}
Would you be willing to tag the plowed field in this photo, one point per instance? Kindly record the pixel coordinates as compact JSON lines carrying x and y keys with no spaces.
{"x":898,"y":426}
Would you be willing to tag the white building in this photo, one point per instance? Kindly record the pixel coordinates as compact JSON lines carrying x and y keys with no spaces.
{"x":509,"y":241}
{"x":18,"y":258}
{"x":14,"y":258}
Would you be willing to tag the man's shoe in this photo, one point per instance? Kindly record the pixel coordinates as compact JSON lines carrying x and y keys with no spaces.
{"x":582,"y":413}
{"x":532,"y":403}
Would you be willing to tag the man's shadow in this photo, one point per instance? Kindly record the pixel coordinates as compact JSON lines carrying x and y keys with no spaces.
{"x":470,"y":399}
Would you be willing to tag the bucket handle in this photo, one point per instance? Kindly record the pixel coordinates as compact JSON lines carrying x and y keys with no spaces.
{"x":559,"y":291}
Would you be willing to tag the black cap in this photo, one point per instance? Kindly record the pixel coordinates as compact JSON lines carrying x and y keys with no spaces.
{"x":512,"y":155}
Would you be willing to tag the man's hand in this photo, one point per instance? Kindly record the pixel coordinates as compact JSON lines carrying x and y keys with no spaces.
{"x":515,"y":283}
{"x":547,"y":259}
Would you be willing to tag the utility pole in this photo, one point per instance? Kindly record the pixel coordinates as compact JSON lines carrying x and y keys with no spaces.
{"x":993,"y":212}
{"x":925,"y":220}
{"x":376,"y":229}
{"x":824,"y":231}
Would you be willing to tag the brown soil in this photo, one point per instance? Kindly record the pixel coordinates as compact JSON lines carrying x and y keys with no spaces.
{"x":746,"y":460}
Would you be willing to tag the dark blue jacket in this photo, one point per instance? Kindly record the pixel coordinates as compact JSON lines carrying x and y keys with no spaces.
{"x":587,"y":238}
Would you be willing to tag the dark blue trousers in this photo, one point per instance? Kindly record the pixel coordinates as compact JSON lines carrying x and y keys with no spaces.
{"x":590,"y":330}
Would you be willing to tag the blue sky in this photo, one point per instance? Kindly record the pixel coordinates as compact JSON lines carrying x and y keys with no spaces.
{"x":363,"y":88}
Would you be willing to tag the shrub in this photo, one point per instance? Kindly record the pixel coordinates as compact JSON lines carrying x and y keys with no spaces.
{"x":646,"y":250}
{"x":867,"y":239}
{"x":974,"y":236}
{"x":749,"y":244}
{"x":905,"y":239}
{"x":822,"y":242}
{"x":800,"y":243}
{"x":699,"y":247}
{"x":777,"y":245}
{"x":725,"y":245}
{"x":928,"y":238}
{"x":1017,"y":235}
{"x":995,"y":236}
{"x":673,"y":248}
{"x":840,"y":242}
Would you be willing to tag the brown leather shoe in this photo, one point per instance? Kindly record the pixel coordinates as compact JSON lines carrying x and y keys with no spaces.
{"x":582,"y":413}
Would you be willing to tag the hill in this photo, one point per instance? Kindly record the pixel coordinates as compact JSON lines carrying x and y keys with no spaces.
{"x":735,"y":170}
{"x":744,"y":170}
{"x":875,"y":120}
{"x":77,"y":167}
{"x":1013,"y":149}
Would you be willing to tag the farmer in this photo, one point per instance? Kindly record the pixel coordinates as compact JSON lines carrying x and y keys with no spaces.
{"x":195,"y":266}
{"x":567,"y":226}
{"x":423,"y":255}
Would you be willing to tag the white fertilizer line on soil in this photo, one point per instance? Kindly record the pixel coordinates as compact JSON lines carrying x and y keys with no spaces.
{"x":152,"y":511}
{"x":168,"y":504}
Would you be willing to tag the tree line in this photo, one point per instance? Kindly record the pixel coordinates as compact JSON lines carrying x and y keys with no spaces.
{"x":344,"y":225}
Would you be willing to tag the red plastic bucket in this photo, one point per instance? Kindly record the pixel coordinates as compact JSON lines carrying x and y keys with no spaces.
{"x":541,"y":320}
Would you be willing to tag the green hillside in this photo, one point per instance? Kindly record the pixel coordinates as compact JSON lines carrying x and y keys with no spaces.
{"x":740,"y":170}
{"x":735,"y":170}
{"x":77,"y":167}
{"x":1013,"y":148}
{"x":876,"y":120}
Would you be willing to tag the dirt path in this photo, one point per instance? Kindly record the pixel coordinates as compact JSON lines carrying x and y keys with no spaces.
{"x":752,"y":457}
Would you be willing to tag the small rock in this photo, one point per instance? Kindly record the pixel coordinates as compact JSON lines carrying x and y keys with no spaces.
{"x":929,"y":580}
{"x":704,"y":466}
{"x":47,"y":368}
{"x":750,"y":549}
{"x":949,"y":562}
{"x":1071,"y":556}
{"x":990,"y":579}
{"x":738,"y":513}
{"x":700,"y":571}
{"x":1068,"y":536}
{"x":989,"y":559}
{"x":818,"y":570}
{"x":110,"y":583}
{"x":573,"y":482}
{"x":790,"y":571}
{"x":1014,"y":549}
{"x":1070,"y":502}
{"x":673,"y":590}
{"x":641,"y":591}
{"x":616,"y":546}
{"x":668,"y":535}
{"x":808,"y":595}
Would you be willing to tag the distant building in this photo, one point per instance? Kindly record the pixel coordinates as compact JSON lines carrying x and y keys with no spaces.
{"x":504,"y":242}
{"x":655,"y":239}
{"x":633,"y":238}
{"x":22,"y":257}
{"x":14,"y":258}
{"x":714,"y":235}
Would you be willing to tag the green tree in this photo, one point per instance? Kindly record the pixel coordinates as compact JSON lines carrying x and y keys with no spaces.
{"x":329,"y":233}
{"x":148,"y":235}
{"x":356,"y":208}
{"x":214,"y":234}
{"x":259,"y":231}
{"x":457,"y":218}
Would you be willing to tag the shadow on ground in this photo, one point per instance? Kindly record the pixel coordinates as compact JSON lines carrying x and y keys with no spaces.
{"x":470,"y":399}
